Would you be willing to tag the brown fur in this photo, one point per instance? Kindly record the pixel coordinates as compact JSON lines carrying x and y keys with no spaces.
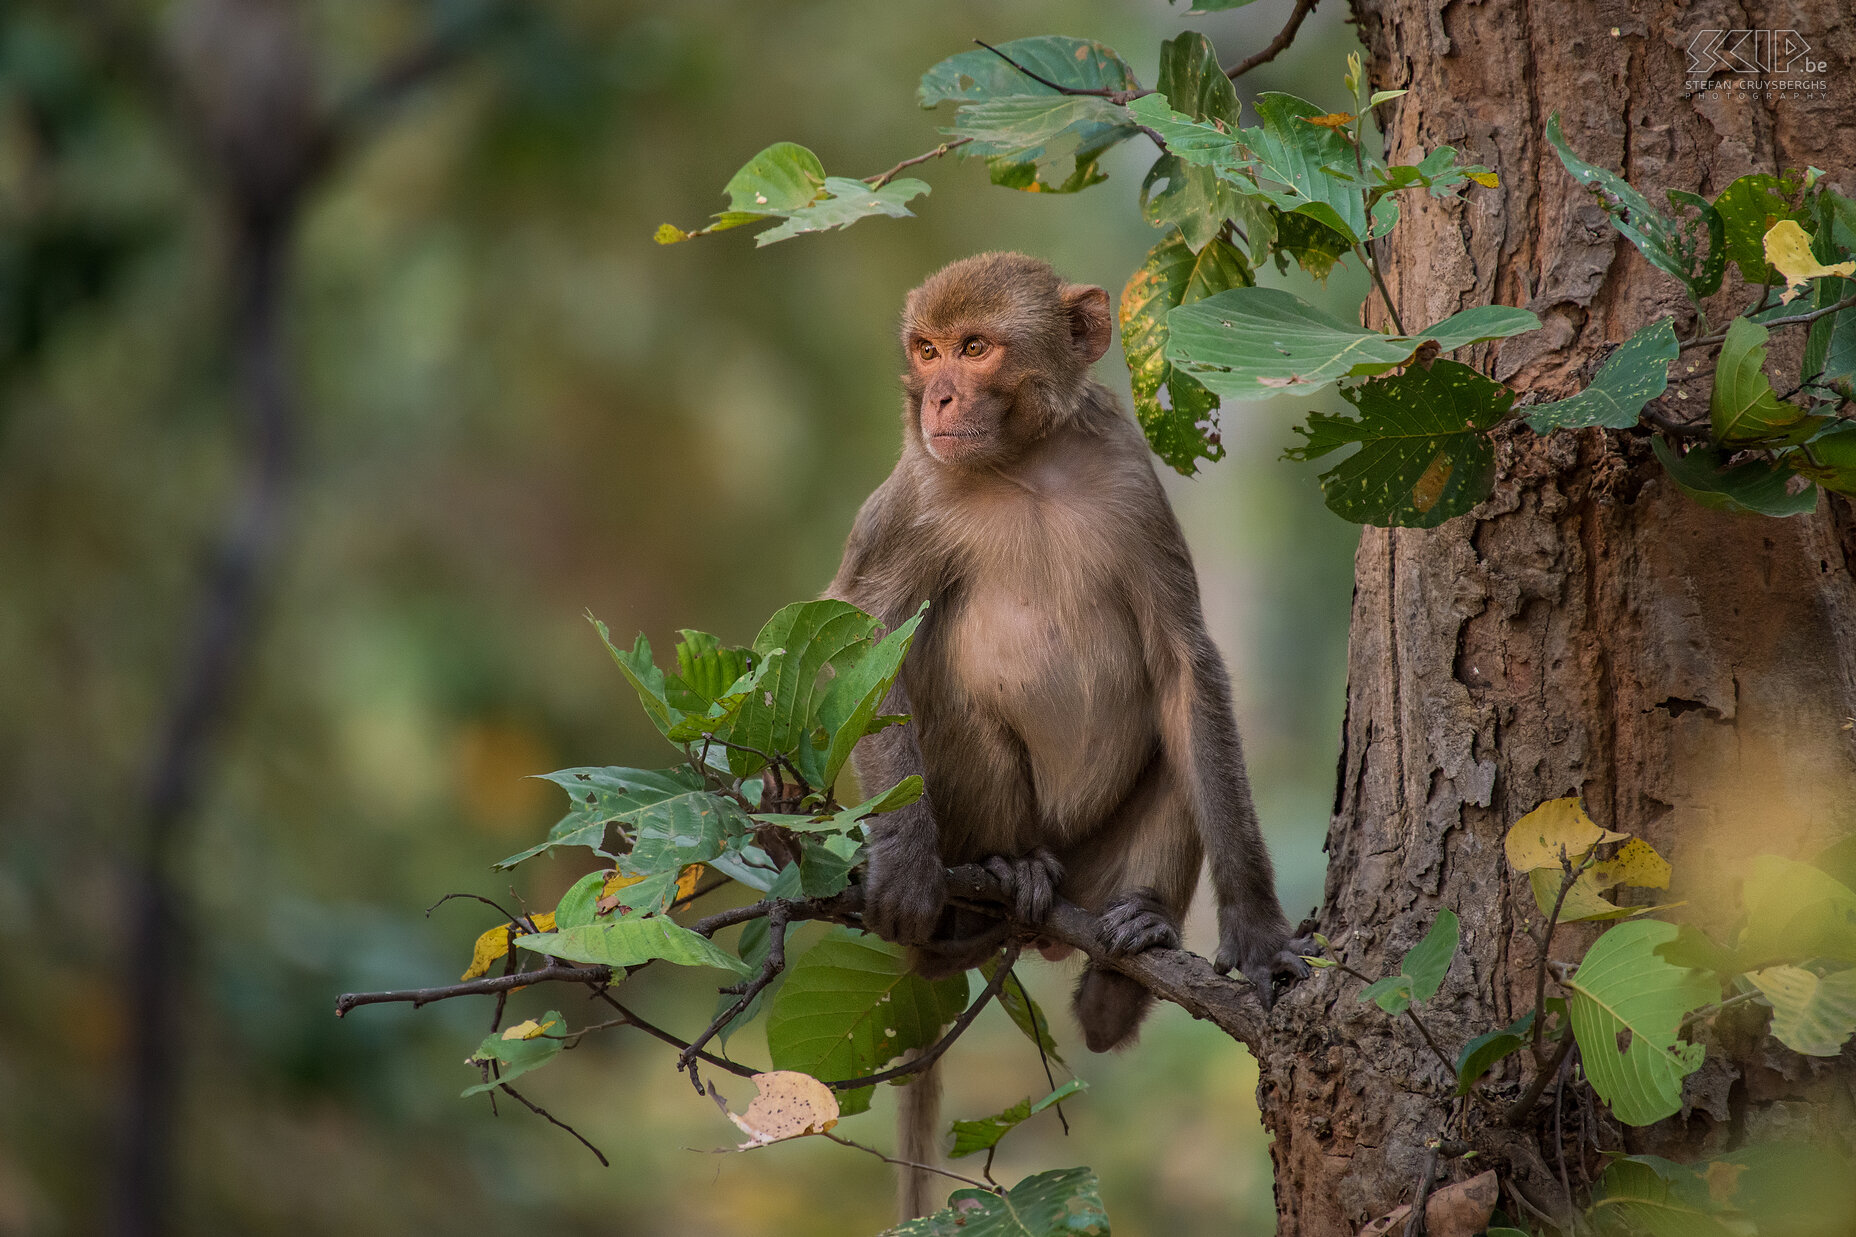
{"x":1066,"y":697}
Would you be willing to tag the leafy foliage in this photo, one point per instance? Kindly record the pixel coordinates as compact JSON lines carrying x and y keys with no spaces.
{"x":1750,"y":486}
{"x":512,"y":1053}
{"x":1171,"y":276}
{"x":984,"y":1134}
{"x":787,"y":182}
{"x":1633,"y":375}
{"x":1624,"y":991}
{"x":1064,"y":1203}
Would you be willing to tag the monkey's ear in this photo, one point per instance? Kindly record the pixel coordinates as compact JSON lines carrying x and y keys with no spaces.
{"x":1091,"y":325}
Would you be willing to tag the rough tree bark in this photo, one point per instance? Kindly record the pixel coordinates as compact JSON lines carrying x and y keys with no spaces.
{"x":1589,"y":630}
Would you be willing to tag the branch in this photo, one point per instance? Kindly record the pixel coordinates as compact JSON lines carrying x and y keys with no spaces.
{"x":1569,"y":877}
{"x":476,"y":987}
{"x":770,"y":967}
{"x":927,"y":1168}
{"x":539,"y":1111}
{"x":1277,"y":45}
{"x":1708,"y":341}
{"x":657,"y":1032}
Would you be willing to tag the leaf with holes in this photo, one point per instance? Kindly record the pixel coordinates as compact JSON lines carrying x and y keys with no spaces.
{"x":1635,"y":373}
{"x":1196,"y":183}
{"x":668,"y":814}
{"x":1748,"y":209}
{"x":1252,"y":343}
{"x":781,"y":716}
{"x":1662,"y":241}
{"x":1063,"y":1203}
{"x":1751,"y":487}
{"x":1173,"y":275}
{"x":985,"y":1133}
{"x":1425,"y":453}
{"x":850,"y":1005}
{"x":1743,"y":411}
{"x":1626,"y":1007}
{"x":1811,"y":1013}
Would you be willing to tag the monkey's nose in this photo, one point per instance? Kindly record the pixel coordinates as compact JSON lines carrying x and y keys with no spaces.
{"x":946,"y":400}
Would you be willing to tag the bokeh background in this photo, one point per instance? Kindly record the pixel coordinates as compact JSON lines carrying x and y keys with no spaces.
{"x":514,"y":408}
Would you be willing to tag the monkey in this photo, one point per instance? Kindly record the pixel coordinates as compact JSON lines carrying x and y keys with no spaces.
{"x":1071,"y":717}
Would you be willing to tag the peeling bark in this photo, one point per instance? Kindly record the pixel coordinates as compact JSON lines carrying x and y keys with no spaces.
{"x":1587,"y":631}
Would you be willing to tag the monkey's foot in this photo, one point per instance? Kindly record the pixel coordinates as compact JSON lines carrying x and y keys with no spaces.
{"x":1031,"y":882}
{"x":1135,"y":921}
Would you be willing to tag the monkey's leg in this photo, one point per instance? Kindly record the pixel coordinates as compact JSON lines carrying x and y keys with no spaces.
{"x":1138,"y":874}
{"x":1031,"y":882}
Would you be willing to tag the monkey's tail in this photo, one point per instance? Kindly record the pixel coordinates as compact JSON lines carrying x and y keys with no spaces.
{"x":918,"y":1121}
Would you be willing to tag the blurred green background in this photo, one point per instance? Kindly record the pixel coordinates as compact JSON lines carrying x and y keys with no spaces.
{"x":516,"y":408}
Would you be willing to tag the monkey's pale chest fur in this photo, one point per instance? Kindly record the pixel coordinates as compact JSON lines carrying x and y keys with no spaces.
{"x":1043,"y":693}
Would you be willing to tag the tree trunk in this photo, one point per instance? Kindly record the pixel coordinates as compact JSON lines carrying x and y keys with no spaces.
{"x":1588,"y":631}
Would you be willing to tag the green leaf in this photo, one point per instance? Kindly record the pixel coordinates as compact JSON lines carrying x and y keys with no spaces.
{"x":1430,"y":958}
{"x":825,"y":864}
{"x":1393,"y":993}
{"x":1657,"y":237}
{"x":1754,"y":486}
{"x":671,"y":819}
{"x":1292,"y":152}
{"x":644,"y":676}
{"x":1425,"y":453}
{"x":1422,"y":970}
{"x":1635,"y":373}
{"x":1025,"y":137}
{"x":1015,"y":999}
{"x":985,"y":1133}
{"x":712,"y":685}
{"x":1624,"y":990}
{"x":843,"y":202}
{"x":1828,"y":459}
{"x":865,"y":673}
{"x":1793,"y":1189}
{"x":1251,"y":343}
{"x":1707,"y":278}
{"x":1743,"y":411}
{"x":1170,"y":276}
{"x":1651,"y":1195}
{"x":1813,"y":1014}
{"x":1830,"y":349}
{"x":516,"y":1057}
{"x":1794,"y":911}
{"x":751,"y":946}
{"x":1064,"y":1203}
{"x":1748,"y":208}
{"x":783,"y":714}
{"x":1078,"y":64}
{"x":1481,"y":1054}
{"x":1199,"y":167}
{"x":579,"y":904}
{"x":630,"y":941}
{"x":850,"y":1005}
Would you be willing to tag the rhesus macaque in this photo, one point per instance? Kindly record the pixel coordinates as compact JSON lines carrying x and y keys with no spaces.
{"x":1072,"y":718}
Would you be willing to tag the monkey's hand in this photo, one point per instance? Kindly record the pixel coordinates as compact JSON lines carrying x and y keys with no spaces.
{"x":905,"y":890}
{"x":1261,"y":953}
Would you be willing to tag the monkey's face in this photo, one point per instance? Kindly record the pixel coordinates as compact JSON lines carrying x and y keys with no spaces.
{"x":963,"y":385}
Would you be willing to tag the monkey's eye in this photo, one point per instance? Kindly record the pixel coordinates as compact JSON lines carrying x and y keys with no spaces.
{"x":974,"y":347}
{"x":926,"y":350}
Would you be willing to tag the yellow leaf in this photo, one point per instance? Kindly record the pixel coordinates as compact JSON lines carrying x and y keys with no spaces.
{"x":1788,"y":248}
{"x":1333,"y":120}
{"x":1636,"y":864}
{"x":528,"y":1030}
{"x":686,"y":885}
{"x":494,"y":943}
{"x":670,"y":234}
{"x":1488,"y":180}
{"x":1538,"y":838}
{"x":1584,"y":903}
{"x":790,"y":1105}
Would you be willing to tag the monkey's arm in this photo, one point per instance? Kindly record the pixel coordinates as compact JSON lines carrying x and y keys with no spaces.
{"x":1199,"y":734}
{"x":905,"y":885}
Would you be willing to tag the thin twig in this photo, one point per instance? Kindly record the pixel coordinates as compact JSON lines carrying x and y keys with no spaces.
{"x":1415,"y":1219}
{"x":1037,"y":1039}
{"x":700,"y":892}
{"x":657,"y":1032}
{"x":476,"y":987}
{"x":1669,"y":425}
{"x":1519,"y":1110}
{"x":539,"y":1111}
{"x":477,"y":897}
{"x":883,"y":178}
{"x":1277,"y":45}
{"x":917,"y":1064}
{"x":1362,"y":251}
{"x":1559,"y":1130}
{"x":930,"y":1168}
{"x":1569,"y":877}
{"x":1423,"y":1031}
{"x":1708,"y":341}
{"x":770,"y":968}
